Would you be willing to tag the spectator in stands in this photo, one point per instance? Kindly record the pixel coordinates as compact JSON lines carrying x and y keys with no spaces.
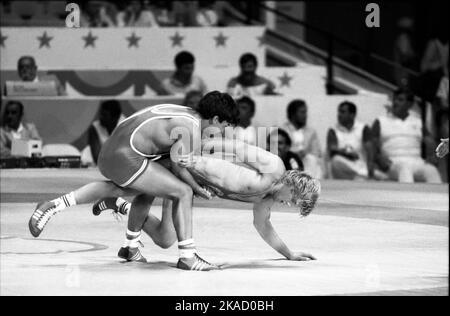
{"x":185,"y":13}
{"x":206,"y":15}
{"x":164,"y":13}
{"x":136,"y":14}
{"x":305,"y":141}
{"x":442,"y":99}
{"x":110,"y":115}
{"x":349,"y":146}
{"x":442,"y":121}
{"x":434,"y":64}
{"x":192,"y":99}
{"x":97,"y":14}
{"x":398,"y":138}
{"x":442,"y":92}
{"x":248,"y":82}
{"x":183,"y":79}
{"x":283,"y":144}
{"x":244,"y":130}
{"x":27,"y":70}
{"x":438,"y":107}
{"x":404,"y":52}
{"x":13,"y":127}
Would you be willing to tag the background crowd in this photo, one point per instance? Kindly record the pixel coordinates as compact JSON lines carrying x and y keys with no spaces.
{"x":397,"y":146}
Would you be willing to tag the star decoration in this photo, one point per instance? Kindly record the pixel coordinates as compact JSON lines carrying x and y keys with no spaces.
{"x":220,"y":39}
{"x":176,"y":39}
{"x":261,"y":40}
{"x":133,"y":40}
{"x":44,"y":40}
{"x":2,"y":40}
{"x":89,"y":40}
{"x":285,"y":80}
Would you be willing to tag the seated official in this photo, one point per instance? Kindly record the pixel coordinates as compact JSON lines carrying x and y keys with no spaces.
{"x":13,"y":127}
{"x":27,"y":71}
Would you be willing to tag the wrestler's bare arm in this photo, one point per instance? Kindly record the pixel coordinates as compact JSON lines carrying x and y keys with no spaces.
{"x":188,"y":140}
{"x":261,"y":221}
{"x":187,"y":177}
{"x":183,"y":150}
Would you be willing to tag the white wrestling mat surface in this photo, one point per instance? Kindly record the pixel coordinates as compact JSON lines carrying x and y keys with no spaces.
{"x":369,"y":238}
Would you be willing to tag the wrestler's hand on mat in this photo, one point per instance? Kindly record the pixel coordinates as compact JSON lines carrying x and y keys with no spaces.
{"x":301,"y":256}
{"x":442,"y":149}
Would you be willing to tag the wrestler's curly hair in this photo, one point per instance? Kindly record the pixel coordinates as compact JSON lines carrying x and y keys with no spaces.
{"x":220,"y":104}
{"x":305,"y":189}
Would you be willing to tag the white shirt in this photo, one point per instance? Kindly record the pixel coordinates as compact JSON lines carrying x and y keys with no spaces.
{"x":175,"y":87}
{"x":401,"y":138}
{"x":17,"y":134}
{"x":352,"y":138}
{"x":303,"y":139}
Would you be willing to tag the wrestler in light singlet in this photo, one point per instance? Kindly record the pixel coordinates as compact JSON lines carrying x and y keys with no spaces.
{"x":232,"y":181}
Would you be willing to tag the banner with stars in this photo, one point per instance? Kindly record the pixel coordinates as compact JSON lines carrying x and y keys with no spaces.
{"x":128,"y":48}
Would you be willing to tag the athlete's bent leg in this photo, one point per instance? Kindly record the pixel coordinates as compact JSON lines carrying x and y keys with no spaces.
{"x":86,"y":194}
{"x":162,"y":232}
{"x":159,"y":182}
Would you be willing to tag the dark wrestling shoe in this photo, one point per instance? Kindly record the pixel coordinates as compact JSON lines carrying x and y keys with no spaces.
{"x":195,"y":263}
{"x":110,"y":203}
{"x":134,"y":254}
{"x":131,"y":254}
{"x":41,"y":216}
{"x":123,"y":252}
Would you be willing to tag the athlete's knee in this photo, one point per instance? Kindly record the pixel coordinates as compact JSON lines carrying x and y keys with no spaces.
{"x":431,"y":174}
{"x":143,"y":199}
{"x":167,"y":242}
{"x":182,"y":191}
{"x":337,"y":163}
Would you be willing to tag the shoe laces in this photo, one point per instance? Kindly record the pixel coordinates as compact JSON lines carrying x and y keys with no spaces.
{"x":203,"y":260}
{"x":45,"y":217}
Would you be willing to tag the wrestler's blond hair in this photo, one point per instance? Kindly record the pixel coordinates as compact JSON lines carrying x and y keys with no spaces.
{"x":305,"y":189}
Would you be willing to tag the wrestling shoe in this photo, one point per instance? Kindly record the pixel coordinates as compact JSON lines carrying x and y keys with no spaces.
{"x":123,"y":253}
{"x":41,"y":215}
{"x":114,"y":204}
{"x":131,"y":254}
{"x":195,"y":263}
